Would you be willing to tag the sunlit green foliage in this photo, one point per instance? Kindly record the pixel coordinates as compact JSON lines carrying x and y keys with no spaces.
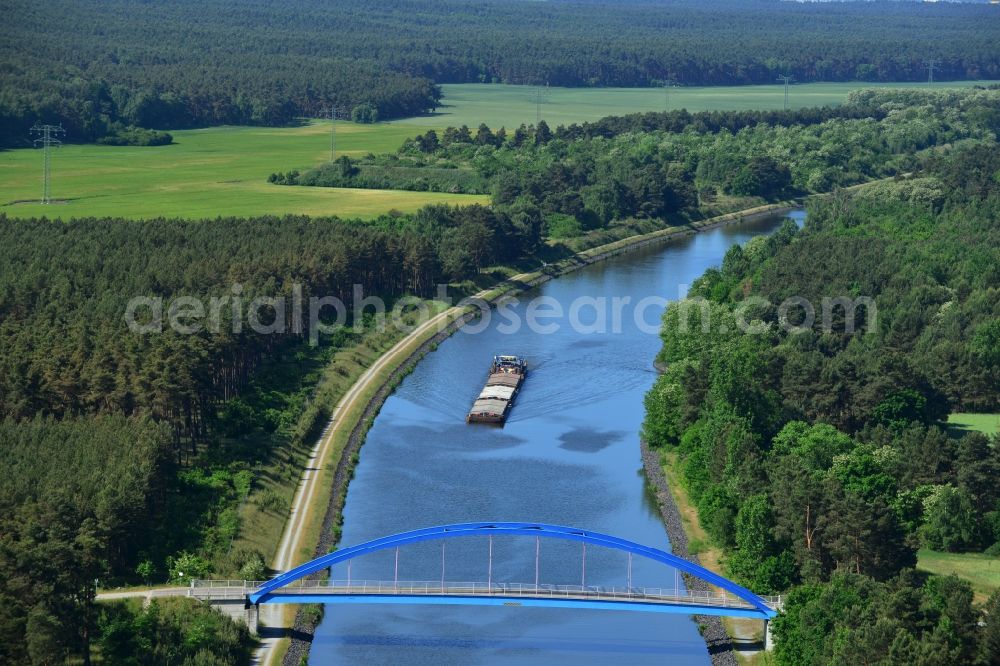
{"x":814,"y":448}
{"x":170,"y":631}
{"x":663,"y":165}
{"x":873,"y":476}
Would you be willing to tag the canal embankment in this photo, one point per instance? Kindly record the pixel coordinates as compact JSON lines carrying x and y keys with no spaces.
{"x":347,"y":431}
{"x":720,"y":647}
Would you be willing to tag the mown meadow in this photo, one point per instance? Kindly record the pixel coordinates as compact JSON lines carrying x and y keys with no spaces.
{"x":206,"y":173}
{"x":223,"y":171}
{"x":504,"y":105}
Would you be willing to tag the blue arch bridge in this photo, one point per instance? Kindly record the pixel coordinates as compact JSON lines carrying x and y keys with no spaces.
{"x":300,"y":585}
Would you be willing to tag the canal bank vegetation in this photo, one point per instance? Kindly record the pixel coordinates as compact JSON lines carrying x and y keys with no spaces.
{"x":741,"y":632}
{"x":323,"y":518}
{"x":310,"y":393}
{"x":817,"y":453}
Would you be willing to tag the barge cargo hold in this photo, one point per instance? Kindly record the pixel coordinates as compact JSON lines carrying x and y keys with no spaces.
{"x":497,"y":397}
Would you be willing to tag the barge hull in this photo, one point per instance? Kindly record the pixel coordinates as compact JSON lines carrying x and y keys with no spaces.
{"x":497,"y":397}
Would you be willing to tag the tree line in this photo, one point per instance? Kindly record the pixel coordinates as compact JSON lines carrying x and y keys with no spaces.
{"x":65,"y":346}
{"x":106,"y":102}
{"x":98,"y":67}
{"x":815,"y":450}
{"x":453,"y":173}
{"x":665,"y":165}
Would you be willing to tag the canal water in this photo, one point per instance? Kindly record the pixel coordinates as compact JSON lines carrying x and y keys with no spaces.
{"x":568,"y":455}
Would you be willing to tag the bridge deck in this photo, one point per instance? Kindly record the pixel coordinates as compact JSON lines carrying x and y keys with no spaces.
{"x":512,"y":594}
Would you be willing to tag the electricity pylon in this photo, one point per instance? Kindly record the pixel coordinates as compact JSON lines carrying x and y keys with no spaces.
{"x":335,"y":113}
{"x":787,"y":79}
{"x":541,"y":96}
{"x":47,"y":136}
{"x":666,"y":89}
{"x":931,"y":66}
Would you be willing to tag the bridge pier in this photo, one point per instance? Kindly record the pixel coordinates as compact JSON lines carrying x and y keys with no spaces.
{"x":251,"y":615}
{"x":778,"y":604}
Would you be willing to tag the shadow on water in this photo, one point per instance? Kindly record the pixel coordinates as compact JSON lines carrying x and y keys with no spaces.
{"x":590,"y":441}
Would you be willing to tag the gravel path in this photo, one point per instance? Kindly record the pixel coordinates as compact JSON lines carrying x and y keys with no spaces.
{"x":305,"y":622}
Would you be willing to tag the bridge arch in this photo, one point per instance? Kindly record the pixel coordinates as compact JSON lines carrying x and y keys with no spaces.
{"x":263,"y":592}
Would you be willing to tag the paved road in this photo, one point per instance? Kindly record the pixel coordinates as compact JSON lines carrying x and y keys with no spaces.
{"x":144,"y":593}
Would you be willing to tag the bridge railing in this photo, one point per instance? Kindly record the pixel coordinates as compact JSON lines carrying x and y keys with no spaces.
{"x":233,"y":589}
{"x":221,"y":583}
{"x":222,"y":589}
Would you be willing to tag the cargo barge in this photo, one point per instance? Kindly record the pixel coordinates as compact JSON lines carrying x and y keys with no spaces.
{"x":494,"y":402}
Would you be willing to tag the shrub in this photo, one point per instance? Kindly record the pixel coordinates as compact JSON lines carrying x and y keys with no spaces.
{"x":268,"y":500}
{"x":364,"y":113}
{"x":137,"y":136}
{"x":253,"y":566}
{"x":185,"y":566}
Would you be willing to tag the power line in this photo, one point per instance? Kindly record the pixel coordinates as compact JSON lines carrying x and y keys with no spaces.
{"x":931,"y":66}
{"x":787,"y":79}
{"x":47,"y":136}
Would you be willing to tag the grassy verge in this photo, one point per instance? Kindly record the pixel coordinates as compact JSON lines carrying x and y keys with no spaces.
{"x":982,"y":571}
{"x":699,"y":543}
{"x":710,"y":557}
{"x":264,"y":512}
{"x":316,"y":511}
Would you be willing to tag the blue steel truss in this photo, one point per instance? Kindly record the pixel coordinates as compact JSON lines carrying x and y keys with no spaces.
{"x":269,"y":590}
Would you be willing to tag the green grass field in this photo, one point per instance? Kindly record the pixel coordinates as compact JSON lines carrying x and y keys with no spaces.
{"x":982,"y":571}
{"x":213,"y":172}
{"x":985,"y":423}
{"x":496,"y":105}
{"x":223,"y":171}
